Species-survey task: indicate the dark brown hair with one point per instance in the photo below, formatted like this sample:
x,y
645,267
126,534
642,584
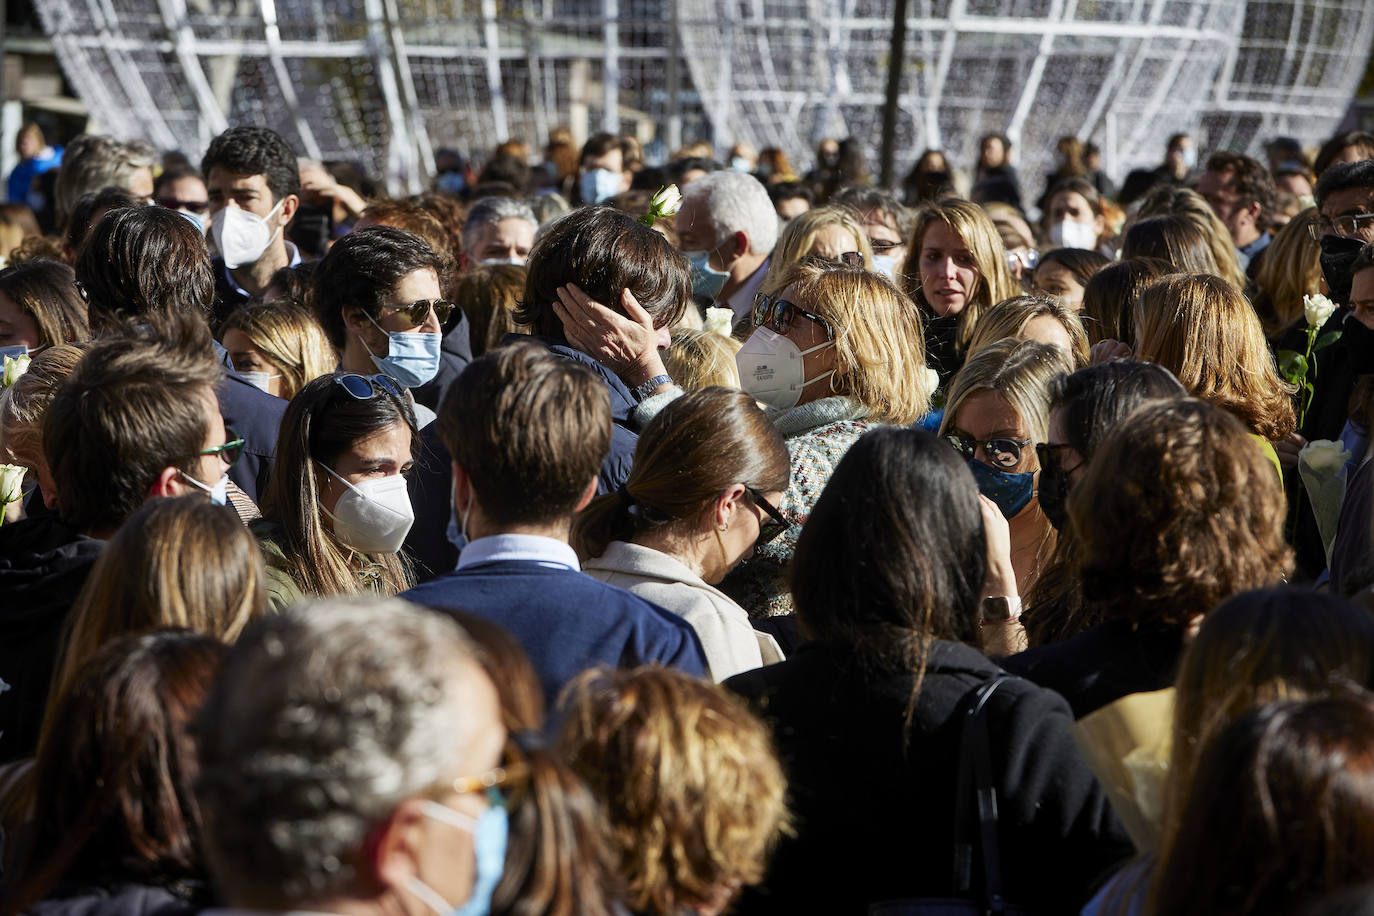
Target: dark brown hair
x,y
361,270
603,251
1179,510
113,779
697,446
1110,294
1250,181
134,405
490,297
46,290
529,429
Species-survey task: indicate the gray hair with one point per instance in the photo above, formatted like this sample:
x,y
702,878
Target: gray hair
x,y
737,203
864,201
494,209
322,720
91,162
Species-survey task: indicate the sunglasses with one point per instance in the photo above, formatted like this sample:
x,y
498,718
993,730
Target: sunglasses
x,y
1002,452
778,314
365,387
1048,453
230,451
777,523
418,310
192,206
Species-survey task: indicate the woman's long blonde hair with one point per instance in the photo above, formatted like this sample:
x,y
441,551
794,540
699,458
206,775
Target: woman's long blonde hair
x,y
1170,200
1009,318
1203,330
800,234
1291,269
878,339
290,338
970,223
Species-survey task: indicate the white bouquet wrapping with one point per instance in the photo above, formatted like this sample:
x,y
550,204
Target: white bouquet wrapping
x,y
1322,466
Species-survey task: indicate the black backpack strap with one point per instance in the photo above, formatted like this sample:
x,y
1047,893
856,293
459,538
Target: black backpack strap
x,y
977,797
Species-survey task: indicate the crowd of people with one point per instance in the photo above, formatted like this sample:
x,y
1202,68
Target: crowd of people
x,y
588,536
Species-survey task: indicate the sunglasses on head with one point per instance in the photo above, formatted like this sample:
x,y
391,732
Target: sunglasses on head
x,y
777,523
418,310
364,387
1003,452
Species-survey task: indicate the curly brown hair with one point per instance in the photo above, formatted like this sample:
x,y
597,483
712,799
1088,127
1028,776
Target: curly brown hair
x,y
1203,330
1179,510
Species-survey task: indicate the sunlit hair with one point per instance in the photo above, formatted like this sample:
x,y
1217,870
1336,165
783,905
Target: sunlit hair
x,y
972,225
177,562
1179,510
321,423
1165,200
700,359
1021,372
46,290
1109,297
1201,329
489,296
22,404
688,778
290,338
799,235
1009,318
1290,269
1175,238
878,338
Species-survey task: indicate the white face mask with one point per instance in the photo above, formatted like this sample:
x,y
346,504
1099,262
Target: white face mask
x,y
260,380
1073,234
219,493
242,237
373,516
771,368
886,265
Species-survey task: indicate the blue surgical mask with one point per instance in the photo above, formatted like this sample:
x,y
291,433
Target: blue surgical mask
x,y
1190,157
707,282
452,182
490,833
1011,491
412,357
219,493
599,185
195,219
740,164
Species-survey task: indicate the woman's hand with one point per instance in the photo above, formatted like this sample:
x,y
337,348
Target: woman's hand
x,y
1287,450
1107,350
1001,576
626,344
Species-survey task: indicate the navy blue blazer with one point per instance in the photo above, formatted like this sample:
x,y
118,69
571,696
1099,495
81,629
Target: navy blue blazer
x,y
566,621
256,416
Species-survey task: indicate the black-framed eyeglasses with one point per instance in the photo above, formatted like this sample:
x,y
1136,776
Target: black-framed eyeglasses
x,y
191,206
777,523
778,314
882,246
1048,454
1347,225
418,310
364,387
1003,452
230,451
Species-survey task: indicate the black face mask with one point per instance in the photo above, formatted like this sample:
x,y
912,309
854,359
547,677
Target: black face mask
x,y
1338,256
1053,492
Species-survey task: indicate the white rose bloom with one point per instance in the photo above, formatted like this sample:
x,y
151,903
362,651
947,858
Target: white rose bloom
x,y
719,321
15,366
666,202
1317,309
932,378
1324,455
11,483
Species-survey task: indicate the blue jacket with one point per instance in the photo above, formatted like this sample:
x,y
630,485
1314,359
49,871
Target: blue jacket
x,y
256,416
566,621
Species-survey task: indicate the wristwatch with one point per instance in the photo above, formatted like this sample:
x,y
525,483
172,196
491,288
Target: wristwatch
x,y
646,388
1001,609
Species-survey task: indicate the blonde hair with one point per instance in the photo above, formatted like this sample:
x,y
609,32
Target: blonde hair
x,y
177,562
17,223
1021,372
290,338
1170,200
1291,269
1203,330
799,235
700,359
1009,318
975,228
489,295
688,779
879,343
22,404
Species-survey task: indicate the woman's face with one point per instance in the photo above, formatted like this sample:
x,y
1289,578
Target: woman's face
x,y
987,415
833,241
738,539
1046,329
246,357
932,162
993,153
1069,458
949,273
385,453
1058,280
1072,206
16,325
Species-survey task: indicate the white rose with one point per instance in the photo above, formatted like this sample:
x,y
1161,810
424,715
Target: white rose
x,y
15,366
1317,308
666,202
719,321
932,378
11,483
1324,456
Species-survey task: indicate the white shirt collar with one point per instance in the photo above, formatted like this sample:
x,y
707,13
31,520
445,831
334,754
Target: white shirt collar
x,y
528,548
742,302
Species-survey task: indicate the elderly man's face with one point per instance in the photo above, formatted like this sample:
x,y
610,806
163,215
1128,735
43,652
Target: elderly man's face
x,y
506,240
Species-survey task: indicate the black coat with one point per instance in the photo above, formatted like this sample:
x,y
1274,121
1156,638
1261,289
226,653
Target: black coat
x,y
874,822
120,900
1103,664
254,415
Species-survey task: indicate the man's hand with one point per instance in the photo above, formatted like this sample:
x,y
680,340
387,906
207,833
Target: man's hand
x,y
1288,449
626,344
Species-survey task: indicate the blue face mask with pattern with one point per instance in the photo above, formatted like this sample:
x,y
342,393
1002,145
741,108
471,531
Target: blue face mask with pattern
x,y
1010,491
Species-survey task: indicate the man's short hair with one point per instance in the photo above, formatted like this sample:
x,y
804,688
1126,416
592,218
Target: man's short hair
x,y
255,151
864,201
675,170
530,430
80,220
92,162
737,203
1343,176
145,260
494,209
1250,181
361,270
323,719
134,405
791,190
604,252
601,144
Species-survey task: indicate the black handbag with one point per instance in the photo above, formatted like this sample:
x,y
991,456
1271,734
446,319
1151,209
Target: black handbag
x,y
975,827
